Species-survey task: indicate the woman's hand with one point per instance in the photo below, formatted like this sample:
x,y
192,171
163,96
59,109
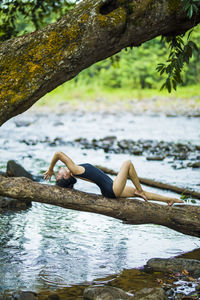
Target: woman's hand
x,y
141,195
48,174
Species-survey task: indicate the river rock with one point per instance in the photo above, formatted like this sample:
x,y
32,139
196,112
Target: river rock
x,y
174,264
110,138
24,295
152,149
198,290
194,165
22,123
53,296
155,157
10,203
150,294
105,293
16,170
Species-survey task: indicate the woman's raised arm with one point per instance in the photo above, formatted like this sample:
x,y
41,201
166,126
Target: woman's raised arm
x,y
74,169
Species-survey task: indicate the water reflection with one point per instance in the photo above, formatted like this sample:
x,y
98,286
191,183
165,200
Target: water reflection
x,y
50,247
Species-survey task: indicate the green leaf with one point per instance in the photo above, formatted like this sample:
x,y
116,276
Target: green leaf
x,y
177,76
188,50
187,5
190,12
162,71
195,9
193,201
194,45
184,197
189,33
163,86
174,83
168,85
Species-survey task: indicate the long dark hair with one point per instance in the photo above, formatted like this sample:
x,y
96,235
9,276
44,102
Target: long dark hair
x,y
66,183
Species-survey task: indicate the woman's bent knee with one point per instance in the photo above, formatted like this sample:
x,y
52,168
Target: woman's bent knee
x,y
127,162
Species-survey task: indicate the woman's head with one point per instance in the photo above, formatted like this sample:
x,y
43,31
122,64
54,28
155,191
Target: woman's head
x,y
65,179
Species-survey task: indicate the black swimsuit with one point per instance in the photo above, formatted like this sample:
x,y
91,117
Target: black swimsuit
x,y
104,182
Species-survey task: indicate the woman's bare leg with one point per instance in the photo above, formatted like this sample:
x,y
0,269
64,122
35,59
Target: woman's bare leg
x,y
156,197
132,192
120,189
127,170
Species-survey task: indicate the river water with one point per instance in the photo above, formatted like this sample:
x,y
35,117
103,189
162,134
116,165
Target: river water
x,y
46,247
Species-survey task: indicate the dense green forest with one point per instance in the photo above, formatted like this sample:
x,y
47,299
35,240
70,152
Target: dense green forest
x,y
136,67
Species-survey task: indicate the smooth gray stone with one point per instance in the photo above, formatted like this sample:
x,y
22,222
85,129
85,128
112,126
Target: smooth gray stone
x,y
105,293
174,264
16,170
150,294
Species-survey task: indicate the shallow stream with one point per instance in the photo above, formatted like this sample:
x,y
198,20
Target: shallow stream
x,y
47,247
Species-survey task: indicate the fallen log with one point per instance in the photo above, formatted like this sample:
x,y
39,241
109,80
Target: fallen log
x,y
182,218
158,184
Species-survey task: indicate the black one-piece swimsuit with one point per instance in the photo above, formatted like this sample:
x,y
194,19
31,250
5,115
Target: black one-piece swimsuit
x,y
104,182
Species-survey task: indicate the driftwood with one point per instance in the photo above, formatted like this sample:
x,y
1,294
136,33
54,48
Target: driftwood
x,y
158,184
182,218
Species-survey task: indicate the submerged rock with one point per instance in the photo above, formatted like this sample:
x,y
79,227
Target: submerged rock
x,y
194,165
198,290
150,294
53,296
174,264
10,203
112,293
105,293
24,295
155,157
22,123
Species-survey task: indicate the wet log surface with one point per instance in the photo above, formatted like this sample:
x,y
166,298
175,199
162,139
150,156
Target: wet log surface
x,y
182,218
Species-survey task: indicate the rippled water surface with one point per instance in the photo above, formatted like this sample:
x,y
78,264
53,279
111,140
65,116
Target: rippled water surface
x,y
47,246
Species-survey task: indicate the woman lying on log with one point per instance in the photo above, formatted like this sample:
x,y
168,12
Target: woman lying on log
x,y
66,177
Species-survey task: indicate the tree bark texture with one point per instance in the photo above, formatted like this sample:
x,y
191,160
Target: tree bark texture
x,y
34,64
182,218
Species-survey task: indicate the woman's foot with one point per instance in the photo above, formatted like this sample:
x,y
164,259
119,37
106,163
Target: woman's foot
x,y
141,195
174,200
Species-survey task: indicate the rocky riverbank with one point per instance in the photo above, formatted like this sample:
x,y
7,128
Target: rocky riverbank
x,y
170,106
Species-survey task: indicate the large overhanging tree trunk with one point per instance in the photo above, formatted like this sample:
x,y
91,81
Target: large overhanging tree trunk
x,y
183,218
34,64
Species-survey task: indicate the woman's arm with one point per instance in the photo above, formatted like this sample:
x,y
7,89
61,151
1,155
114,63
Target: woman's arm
x,y
66,160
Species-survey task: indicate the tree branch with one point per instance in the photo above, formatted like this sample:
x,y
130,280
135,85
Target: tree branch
x,y
182,218
34,64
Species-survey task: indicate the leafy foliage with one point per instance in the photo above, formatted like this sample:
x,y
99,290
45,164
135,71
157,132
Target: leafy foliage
x,y
180,51
22,16
191,7
135,68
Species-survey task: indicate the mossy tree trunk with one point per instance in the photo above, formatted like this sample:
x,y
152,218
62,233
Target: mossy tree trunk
x,y
34,64
182,218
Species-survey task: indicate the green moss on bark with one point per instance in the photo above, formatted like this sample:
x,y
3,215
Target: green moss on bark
x,y
173,6
112,19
